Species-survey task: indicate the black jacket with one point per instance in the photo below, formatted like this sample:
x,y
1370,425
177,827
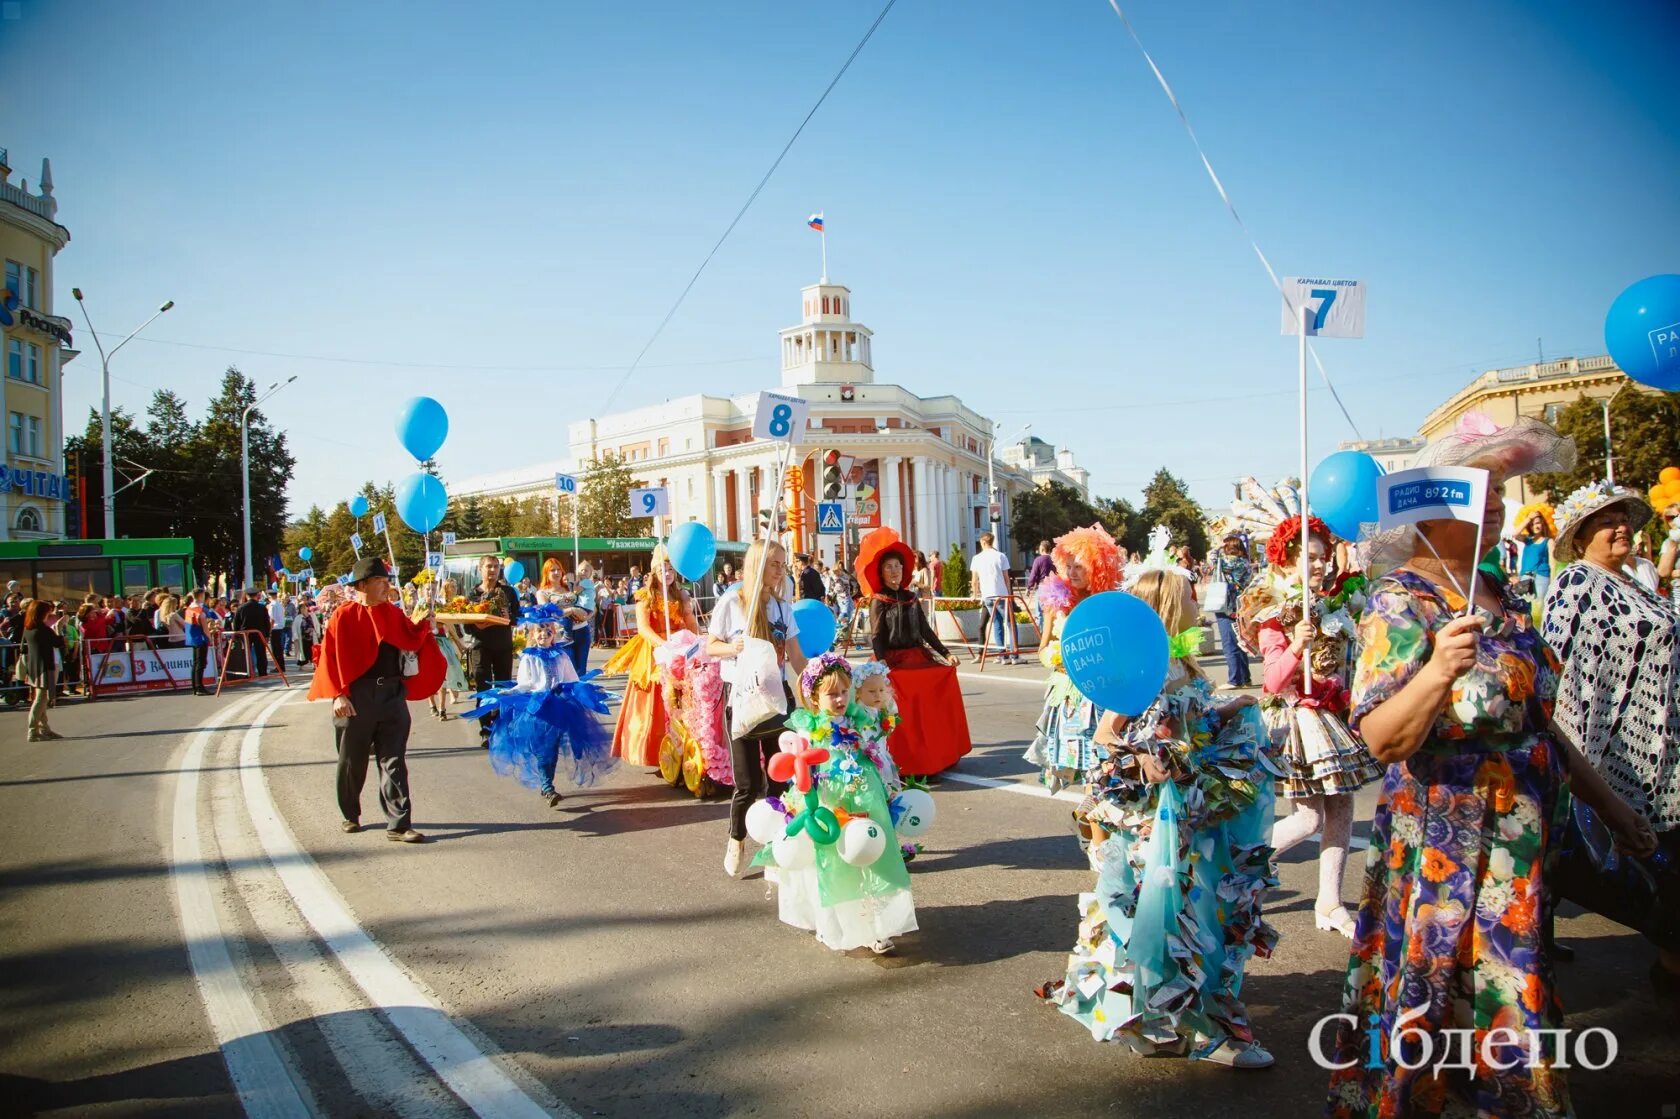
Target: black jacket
x,y
898,622
493,639
252,615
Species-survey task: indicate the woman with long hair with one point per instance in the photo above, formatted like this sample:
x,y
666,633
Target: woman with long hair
x,y
934,731
42,646
662,608
454,658
757,607
1185,798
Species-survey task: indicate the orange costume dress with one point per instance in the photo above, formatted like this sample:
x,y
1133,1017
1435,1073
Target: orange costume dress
x,y
642,716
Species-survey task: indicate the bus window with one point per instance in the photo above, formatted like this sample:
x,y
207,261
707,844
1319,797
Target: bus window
x,y
72,580
172,573
136,576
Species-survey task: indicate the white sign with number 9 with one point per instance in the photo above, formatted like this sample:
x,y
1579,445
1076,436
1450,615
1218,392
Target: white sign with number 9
x,y
779,417
655,501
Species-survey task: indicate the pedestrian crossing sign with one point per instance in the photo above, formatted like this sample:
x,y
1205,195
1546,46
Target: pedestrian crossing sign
x,y
831,518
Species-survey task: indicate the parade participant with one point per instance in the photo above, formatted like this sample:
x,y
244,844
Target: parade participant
x,y
1086,561
454,659
933,734
582,617
489,645
989,576
662,608
1323,763
755,607
1534,559
361,670
1619,687
1667,567
1456,701
548,714
1186,794
877,715
1231,568
848,906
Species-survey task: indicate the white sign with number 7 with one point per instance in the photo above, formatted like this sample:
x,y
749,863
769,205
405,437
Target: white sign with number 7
x,y
780,417
1335,308
655,501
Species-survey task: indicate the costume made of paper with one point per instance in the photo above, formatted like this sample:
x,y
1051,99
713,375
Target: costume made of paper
x,y
1165,938
454,676
640,732
934,733
1321,757
350,647
546,725
846,906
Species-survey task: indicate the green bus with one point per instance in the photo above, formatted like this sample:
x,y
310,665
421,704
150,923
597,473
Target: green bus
x,y
71,569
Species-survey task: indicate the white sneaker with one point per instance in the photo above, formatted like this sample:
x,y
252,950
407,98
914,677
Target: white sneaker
x,y
1233,1054
732,857
882,947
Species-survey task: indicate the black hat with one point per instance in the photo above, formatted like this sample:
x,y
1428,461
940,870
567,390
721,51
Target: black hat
x,y
369,567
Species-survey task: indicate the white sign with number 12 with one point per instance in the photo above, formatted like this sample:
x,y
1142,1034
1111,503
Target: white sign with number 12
x,y
780,417
654,501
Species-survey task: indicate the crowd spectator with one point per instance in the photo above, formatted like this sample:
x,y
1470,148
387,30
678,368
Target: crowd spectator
x,y
989,575
42,648
198,631
252,619
278,634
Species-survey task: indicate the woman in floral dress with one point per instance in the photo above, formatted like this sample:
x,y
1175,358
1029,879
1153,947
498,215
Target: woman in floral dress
x,y
1458,705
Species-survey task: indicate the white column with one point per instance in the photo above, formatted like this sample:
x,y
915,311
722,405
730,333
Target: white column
x,y
717,512
891,494
919,481
742,520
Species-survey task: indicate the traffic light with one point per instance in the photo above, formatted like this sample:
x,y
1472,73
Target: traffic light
x,y
833,477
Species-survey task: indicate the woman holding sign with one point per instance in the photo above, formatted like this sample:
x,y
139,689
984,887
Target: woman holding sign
x,y
1457,702
662,608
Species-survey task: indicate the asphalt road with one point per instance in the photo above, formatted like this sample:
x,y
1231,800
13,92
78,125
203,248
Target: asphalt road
x,y
188,932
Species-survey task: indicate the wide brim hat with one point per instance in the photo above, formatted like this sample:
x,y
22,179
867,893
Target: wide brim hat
x,y
1526,446
1579,507
874,548
369,567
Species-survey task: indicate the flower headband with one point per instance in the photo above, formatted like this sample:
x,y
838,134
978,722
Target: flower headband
x,y
868,670
821,666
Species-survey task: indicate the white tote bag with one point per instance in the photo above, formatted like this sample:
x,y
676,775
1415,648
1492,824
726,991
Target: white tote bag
x,y
757,694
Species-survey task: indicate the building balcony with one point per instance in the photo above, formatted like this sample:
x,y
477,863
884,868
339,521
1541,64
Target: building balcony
x,y
41,205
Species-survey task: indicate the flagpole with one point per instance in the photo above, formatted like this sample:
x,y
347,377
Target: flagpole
x,y
1305,536
824,234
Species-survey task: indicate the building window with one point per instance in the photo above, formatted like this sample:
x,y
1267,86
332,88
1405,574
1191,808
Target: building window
x,y
32,436
664,446
29,520
14,434
1551,413
14,278
14,359
32,288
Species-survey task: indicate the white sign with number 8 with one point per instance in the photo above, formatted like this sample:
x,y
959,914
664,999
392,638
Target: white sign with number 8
x,y
655,501
779,417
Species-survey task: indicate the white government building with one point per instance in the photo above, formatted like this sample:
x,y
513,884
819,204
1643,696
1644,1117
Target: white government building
x,y
918,464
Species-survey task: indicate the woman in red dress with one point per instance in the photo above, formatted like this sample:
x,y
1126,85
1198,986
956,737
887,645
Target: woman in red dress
x,y
933,731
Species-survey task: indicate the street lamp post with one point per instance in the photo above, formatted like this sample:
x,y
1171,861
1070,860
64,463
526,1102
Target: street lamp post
x,y
1609,462
992,495
245,463
107,497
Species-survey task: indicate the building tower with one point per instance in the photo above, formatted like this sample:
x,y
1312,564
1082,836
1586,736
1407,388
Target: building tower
x,y
827,346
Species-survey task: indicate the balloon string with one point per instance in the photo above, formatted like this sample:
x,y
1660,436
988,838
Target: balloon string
x,y
1294,311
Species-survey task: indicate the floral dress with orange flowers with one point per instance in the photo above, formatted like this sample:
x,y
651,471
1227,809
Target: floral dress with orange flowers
x,y
1448,932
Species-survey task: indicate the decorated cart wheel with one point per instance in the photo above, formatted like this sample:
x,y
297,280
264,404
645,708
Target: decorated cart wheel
x,y
694,768
671,758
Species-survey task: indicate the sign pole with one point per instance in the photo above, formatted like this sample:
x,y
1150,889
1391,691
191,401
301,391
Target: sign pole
x,y
1305,537
576,531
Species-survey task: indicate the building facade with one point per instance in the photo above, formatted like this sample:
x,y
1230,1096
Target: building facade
x,y
33,491
918,464
1391,454
1043,464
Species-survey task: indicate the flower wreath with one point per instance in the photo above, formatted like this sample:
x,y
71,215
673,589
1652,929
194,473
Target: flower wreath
x,y
1288,531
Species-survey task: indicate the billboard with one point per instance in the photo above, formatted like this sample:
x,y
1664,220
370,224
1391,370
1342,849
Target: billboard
x,y
864,485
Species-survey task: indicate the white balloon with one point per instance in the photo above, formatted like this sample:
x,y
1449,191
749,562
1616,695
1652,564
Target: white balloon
x,y
764,823
917,814
861,842
794,852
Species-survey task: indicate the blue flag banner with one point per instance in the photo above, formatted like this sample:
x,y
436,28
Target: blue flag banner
x,y
1431,493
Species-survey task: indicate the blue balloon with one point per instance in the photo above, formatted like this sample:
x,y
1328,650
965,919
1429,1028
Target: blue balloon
x,y
1114,649
422,425
305,554
816,626
1343,492
358,506
422,502
692,548
1642,332
513,571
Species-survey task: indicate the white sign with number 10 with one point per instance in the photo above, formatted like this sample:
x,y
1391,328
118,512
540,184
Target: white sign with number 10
x,y
780,417
654,501
1335,308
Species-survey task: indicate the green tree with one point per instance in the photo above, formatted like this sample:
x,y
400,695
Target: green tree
x,y
955,583
128,444
1118,516
1046,512
604,499
1166,501
217,461
1645,435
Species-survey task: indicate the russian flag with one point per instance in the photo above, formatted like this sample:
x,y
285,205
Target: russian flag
x,y
815,221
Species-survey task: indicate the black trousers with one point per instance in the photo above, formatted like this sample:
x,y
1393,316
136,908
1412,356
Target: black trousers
x,y
747,755
378,730
259,656
488,666
200,658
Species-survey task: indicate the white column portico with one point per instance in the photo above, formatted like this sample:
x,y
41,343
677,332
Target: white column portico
x,y
919,482
743,505
891,496
717,507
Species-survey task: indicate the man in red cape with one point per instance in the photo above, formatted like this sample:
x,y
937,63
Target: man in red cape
x,y
359,666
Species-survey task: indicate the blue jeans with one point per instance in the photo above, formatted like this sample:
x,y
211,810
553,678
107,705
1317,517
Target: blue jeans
x,y
997,610
578,650
1236,661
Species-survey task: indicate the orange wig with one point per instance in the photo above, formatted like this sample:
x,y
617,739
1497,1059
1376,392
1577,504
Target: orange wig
x,y
1096,552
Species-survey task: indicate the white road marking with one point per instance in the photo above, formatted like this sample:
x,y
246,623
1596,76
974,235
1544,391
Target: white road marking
x,y
471,1073
981,677
255,1064
1021,787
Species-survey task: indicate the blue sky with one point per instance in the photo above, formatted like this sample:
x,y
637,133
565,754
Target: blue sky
x,y
1009,195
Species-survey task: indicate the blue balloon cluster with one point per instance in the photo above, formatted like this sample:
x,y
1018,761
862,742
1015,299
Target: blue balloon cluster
x,y
1343,492
421,502
817,626
691,548
422,425
1114,649
1642,332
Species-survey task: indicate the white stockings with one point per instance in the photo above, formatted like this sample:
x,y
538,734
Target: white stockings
x,y
1332,816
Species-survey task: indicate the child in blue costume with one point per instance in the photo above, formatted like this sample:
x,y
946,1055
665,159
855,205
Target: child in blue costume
x,y
548,714
1182,816
848,904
